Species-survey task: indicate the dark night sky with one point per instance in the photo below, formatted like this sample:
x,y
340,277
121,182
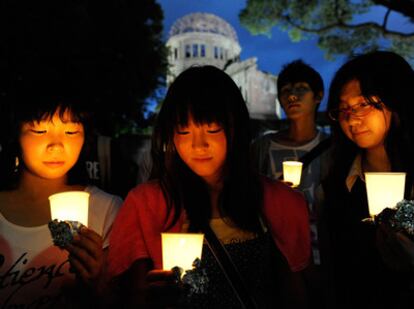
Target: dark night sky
x,y
273,52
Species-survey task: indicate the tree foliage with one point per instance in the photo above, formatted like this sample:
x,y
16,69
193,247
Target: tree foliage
x,y
334,23
112,49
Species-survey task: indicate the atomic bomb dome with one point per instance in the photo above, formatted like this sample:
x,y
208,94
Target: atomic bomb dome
x,y
203,23
203,38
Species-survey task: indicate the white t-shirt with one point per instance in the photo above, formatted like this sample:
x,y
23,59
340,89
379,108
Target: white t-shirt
x,y
33,272
270,155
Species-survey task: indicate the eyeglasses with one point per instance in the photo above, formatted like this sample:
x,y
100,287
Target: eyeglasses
x,y
296,91
358,110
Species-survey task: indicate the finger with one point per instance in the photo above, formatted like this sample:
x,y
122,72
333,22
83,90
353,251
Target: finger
x,y
79,269
160,275
85,251
407,245
386,229
91,235
93,245
92,264
288,183
404,240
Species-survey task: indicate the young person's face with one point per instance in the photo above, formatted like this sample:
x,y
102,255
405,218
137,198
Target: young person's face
x,y
50,148
367,131
202,148
298,100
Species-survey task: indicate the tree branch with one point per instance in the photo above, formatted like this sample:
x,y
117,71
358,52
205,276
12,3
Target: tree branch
x,y
342,25
405,7
384,24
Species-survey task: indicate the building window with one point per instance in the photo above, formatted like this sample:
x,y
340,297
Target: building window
x,y
216,52
202,50
195,50
175,53
187,51
226,55
221,52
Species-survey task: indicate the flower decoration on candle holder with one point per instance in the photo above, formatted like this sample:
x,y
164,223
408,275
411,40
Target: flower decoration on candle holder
x,y
400,217
195,280
63,231
182,254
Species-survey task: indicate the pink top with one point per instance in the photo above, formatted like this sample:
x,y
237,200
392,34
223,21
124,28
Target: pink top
x,y
136,232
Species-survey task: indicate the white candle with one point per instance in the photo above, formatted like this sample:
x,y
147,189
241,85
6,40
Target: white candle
x,y
70,206
384,190
181,249
292,171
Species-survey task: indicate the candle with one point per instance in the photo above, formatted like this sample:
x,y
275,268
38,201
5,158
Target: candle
x,y
384,190
70,206
181,249
292,171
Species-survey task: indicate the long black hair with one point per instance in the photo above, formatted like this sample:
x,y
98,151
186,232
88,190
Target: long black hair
x,y
390,77
209,95
31,101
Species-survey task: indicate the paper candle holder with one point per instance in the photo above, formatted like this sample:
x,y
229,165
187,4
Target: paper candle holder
x,y
384,190
181,249
292,172
70,206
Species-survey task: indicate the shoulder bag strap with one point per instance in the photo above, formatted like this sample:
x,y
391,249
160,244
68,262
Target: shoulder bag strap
x,y
229,269
316,151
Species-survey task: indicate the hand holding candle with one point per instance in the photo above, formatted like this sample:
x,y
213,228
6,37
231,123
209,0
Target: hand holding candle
x,y
69,212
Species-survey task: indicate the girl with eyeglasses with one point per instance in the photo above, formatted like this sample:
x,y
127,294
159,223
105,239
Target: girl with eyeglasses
x,y
371,111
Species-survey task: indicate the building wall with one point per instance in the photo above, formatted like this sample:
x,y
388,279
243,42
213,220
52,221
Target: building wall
x,y
218,50
258,88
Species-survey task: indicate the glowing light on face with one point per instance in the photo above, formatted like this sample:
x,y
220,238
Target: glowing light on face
x,y
369,131
203,148
50,148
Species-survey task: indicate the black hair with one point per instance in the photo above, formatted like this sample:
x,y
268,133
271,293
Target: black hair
x,y
298,71
390,77
209,95
38,101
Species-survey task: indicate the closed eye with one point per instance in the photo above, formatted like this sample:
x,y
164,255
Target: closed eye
x,y
182,132
38,131
215,131
72,132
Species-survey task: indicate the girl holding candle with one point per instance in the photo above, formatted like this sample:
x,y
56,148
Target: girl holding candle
x,y
46,143
370,105
202,176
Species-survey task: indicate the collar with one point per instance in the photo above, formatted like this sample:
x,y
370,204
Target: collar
x,y
354,172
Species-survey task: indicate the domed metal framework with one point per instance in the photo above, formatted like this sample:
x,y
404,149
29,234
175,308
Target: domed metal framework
x,y
203,22
206,39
